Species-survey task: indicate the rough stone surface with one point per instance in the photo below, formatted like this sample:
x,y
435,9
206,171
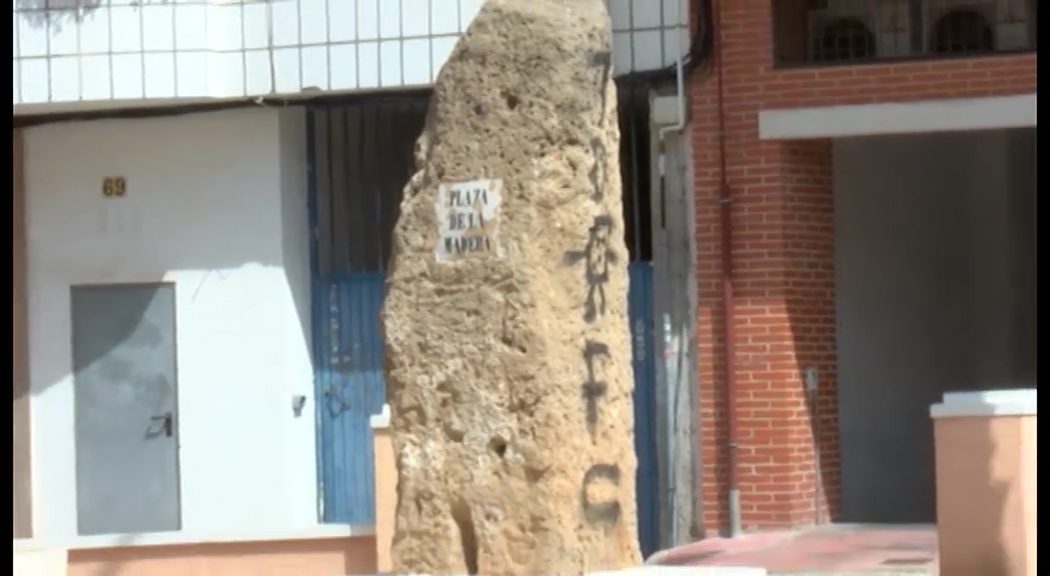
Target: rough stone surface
x,y
508,362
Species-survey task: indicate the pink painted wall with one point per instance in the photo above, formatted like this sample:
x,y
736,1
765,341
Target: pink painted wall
x,y
986,495
326,557
386,496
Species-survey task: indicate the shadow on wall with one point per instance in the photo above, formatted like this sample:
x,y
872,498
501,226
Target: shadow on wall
x,y
783,289
981,495
57,14
809,300
793,279
132,320
194,213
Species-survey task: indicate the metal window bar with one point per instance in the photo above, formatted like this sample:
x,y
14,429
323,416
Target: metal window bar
x,y
635,168
364,161
365,158
827,32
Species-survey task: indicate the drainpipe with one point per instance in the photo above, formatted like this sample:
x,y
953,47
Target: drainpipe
x,y
679,68
728,306
670,405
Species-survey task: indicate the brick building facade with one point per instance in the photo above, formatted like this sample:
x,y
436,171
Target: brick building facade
x,y
782,280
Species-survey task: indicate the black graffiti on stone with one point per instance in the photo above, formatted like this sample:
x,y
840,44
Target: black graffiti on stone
x,y
598,257
601,485
597,175
593,388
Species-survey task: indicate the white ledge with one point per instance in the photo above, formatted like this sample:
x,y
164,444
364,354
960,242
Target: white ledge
x,y
318,532
950,115
1018,402
381,421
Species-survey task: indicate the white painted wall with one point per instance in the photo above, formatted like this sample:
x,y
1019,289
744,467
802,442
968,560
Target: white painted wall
x,y
188,49
935,265
216,203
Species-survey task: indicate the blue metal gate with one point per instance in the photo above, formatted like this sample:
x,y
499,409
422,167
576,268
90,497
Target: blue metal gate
x,y
360,157
635,164
350,389
640,312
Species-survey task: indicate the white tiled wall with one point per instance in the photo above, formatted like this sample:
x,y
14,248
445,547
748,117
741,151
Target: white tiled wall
x,y
164,49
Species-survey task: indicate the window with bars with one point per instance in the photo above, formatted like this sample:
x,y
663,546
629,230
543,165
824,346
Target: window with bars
x,y
961,31
846,39
829,32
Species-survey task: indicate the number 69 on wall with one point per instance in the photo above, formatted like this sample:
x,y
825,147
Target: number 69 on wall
x,y
114,186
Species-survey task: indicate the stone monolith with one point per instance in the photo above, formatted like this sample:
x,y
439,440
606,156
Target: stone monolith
x,y
507,340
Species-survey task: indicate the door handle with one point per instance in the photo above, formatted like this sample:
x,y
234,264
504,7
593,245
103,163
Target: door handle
x,y
167,419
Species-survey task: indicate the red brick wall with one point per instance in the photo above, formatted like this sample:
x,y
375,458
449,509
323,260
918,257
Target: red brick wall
x,y
783,250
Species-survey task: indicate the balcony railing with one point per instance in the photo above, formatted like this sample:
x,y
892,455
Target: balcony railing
x,y
828,32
